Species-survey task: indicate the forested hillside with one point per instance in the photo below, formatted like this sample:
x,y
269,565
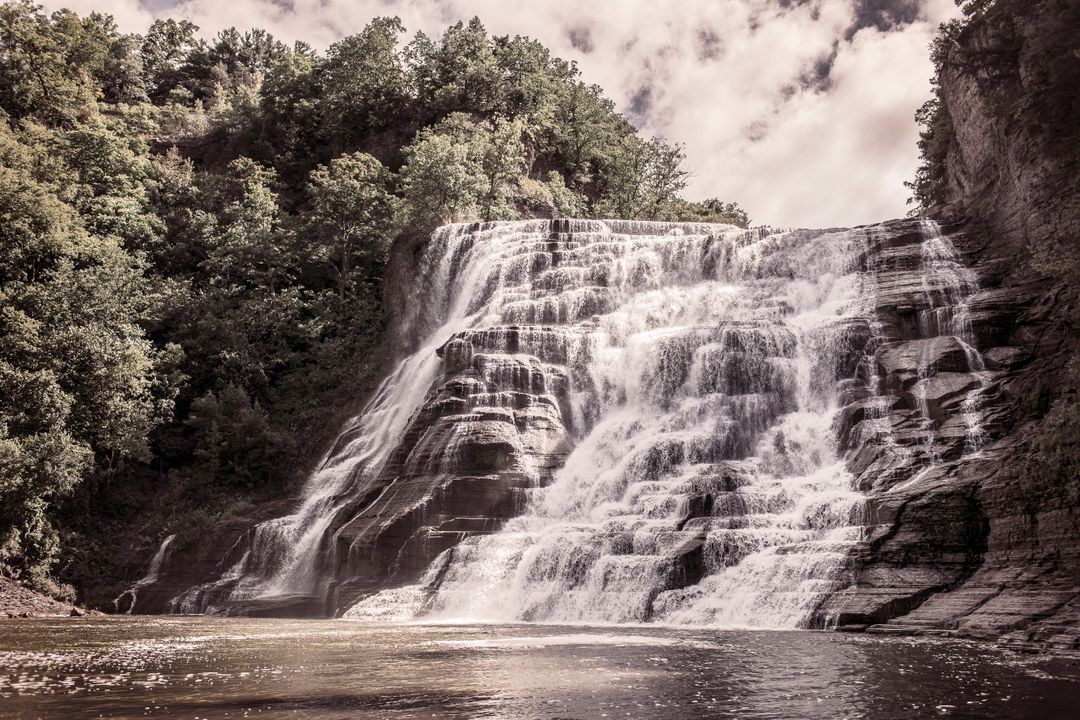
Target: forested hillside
x,y
193,238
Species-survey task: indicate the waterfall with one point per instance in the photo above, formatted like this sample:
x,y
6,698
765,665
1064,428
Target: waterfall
x,y
696,369
618,421
127,599
948,286
287,554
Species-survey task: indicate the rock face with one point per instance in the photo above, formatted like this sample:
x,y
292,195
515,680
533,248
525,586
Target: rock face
x,y
959,540
973,546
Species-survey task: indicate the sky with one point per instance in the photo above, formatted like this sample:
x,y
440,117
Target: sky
x,y
802,111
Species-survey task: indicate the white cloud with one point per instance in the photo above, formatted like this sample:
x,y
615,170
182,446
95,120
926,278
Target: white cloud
x,y
740,82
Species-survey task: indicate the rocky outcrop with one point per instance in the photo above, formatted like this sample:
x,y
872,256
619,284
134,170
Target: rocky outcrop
x,y
17,601
1009,85
967,543
491,429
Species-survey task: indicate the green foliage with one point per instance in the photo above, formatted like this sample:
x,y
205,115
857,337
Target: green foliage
x,y
643,179
974,7
47,65
551,198
77,374
439,180
364,84
458,74
711,211
928,189
164,51
1053,460
1057,448
459,169
350,221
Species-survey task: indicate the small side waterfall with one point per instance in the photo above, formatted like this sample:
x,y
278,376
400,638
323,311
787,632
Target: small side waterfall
x,y
126,601
948,286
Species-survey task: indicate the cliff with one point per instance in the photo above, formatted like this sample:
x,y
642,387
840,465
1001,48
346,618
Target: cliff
x,y
982,547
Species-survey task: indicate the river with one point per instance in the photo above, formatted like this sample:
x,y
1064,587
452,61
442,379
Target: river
x,y
208,667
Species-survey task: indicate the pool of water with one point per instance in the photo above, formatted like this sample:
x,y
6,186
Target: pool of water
x,y
204,667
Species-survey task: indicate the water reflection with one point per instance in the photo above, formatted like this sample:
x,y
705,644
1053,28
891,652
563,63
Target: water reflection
x,y
217,667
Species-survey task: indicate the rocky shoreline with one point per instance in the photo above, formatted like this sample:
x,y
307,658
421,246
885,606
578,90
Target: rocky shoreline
x,y
17,601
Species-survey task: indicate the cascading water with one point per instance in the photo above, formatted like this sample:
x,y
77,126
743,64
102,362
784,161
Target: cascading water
x,y
615,421
699,367
286,554
948,286
127,599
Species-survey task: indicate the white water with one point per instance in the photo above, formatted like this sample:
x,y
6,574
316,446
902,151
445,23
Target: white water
x,y
285,555
151,575
948,286
703,362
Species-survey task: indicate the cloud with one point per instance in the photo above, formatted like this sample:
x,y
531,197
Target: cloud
x,y
801,110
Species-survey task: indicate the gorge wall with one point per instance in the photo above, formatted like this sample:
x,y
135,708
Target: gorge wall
x,y
617,421
980,546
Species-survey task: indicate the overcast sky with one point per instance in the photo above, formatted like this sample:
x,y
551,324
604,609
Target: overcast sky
x,y
800,110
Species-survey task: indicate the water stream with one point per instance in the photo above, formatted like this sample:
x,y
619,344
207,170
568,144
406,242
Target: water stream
x,y
204,667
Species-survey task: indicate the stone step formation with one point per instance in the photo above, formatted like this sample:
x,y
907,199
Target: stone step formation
x,y
612,421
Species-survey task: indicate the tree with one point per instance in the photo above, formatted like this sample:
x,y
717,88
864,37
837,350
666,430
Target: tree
x,y
166,47
584,131
251,248
40,70
123,79
351,218
105,178
77,374
502,159
459,74
111,58
289,129
364,83
460,169
530,81
710,211
235,438
440,180
643,179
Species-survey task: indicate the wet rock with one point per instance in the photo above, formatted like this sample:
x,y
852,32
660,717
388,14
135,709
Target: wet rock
x,y
1007,357
902,364
941,395
688,563
977,547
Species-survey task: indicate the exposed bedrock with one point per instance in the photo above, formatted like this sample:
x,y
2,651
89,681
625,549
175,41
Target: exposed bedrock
x,y
974,546
958,541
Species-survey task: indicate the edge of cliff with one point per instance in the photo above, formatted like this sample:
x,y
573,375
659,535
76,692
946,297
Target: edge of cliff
x,y
987,548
